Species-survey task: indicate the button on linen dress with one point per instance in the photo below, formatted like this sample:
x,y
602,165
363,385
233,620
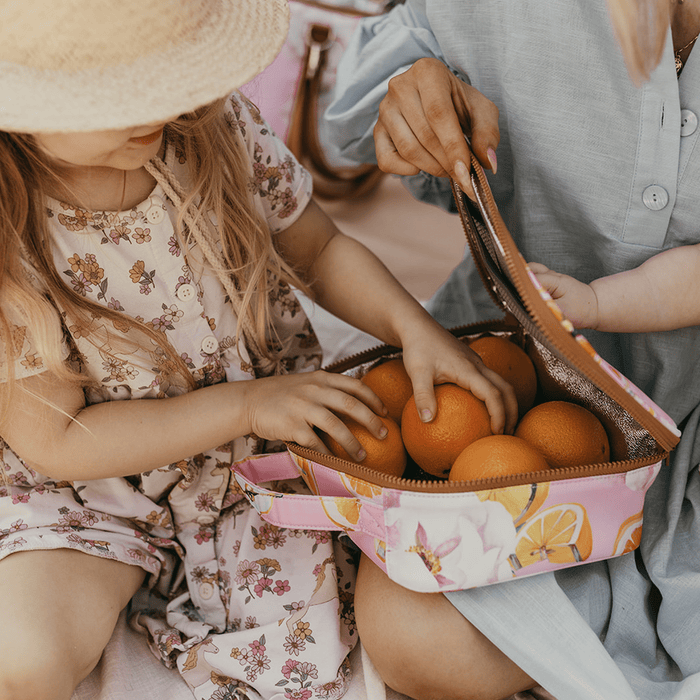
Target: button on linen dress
x,y
233,601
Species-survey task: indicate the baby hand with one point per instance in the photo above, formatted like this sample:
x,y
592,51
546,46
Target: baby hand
x,y
440,358
289,407
577,300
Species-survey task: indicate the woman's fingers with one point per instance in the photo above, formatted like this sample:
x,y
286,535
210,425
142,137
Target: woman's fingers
x,y
423,121
399,152
481,116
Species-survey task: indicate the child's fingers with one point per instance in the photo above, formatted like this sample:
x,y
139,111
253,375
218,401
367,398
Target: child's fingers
x,y
348,397
491,394
309,438
424,395
326,421
507,399
486,385
356,400
549,279
334,427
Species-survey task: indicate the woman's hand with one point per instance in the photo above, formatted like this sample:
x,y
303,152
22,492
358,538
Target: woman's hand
x,y
291,406
577,300
423,121
440,358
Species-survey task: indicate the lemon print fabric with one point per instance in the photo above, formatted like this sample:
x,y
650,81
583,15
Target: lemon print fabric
x,y
629,536
520,501
560,534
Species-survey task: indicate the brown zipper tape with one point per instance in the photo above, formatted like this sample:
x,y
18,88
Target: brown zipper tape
x,y
444,486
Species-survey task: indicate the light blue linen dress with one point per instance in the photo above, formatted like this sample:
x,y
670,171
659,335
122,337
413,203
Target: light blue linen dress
x,y
594,176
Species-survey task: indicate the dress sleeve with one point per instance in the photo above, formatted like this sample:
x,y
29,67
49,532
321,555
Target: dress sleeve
x,y
380,48
281,185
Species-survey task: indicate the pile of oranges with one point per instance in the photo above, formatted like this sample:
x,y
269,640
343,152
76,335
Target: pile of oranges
x,y
458,443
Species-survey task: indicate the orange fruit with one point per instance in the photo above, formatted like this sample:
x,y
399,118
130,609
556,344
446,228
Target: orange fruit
x,y
391,383
512,363
497,455
387,456
566,434
460,419
561,534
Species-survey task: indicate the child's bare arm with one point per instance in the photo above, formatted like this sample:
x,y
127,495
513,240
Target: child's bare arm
x,y
352,283
661,294
51,428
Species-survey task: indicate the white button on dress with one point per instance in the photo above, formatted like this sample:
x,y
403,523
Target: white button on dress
x,y
186,292
206,590
655,197
209,345
156,212
689,122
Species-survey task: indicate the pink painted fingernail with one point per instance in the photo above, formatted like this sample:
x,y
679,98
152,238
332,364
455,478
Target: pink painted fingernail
x,y
462,174
492,159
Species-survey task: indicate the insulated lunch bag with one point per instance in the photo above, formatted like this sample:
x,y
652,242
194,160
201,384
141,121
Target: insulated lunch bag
x,y
430,535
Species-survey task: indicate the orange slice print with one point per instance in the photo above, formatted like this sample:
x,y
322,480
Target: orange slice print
x,y
560,534
349,509
359,487
519,501
344,513
306,472
629,535
380,549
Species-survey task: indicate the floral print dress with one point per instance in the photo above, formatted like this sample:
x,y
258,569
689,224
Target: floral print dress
x,y
243,608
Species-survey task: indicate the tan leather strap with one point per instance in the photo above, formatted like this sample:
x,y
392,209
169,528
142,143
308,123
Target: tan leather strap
x,y
303,139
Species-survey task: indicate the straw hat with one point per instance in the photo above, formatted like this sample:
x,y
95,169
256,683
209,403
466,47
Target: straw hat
x,y
84,65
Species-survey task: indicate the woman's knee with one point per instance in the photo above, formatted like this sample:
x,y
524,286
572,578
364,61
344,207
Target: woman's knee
x,y
424,648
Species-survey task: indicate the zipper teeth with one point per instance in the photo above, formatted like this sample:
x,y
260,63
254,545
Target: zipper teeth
x,y
444,486
640,414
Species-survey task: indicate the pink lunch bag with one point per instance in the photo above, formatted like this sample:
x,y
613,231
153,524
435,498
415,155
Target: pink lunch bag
x,y
435,535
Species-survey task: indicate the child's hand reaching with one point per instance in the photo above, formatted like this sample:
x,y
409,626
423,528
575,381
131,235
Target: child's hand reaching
x,y
576,299
290,407
440,358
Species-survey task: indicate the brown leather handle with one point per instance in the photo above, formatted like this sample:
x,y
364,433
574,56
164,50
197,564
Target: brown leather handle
x,y
303,138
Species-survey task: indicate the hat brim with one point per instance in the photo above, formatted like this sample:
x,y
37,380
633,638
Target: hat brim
x,y
229,48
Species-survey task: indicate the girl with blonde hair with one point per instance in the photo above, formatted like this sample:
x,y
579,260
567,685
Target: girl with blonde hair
x,y
151,231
